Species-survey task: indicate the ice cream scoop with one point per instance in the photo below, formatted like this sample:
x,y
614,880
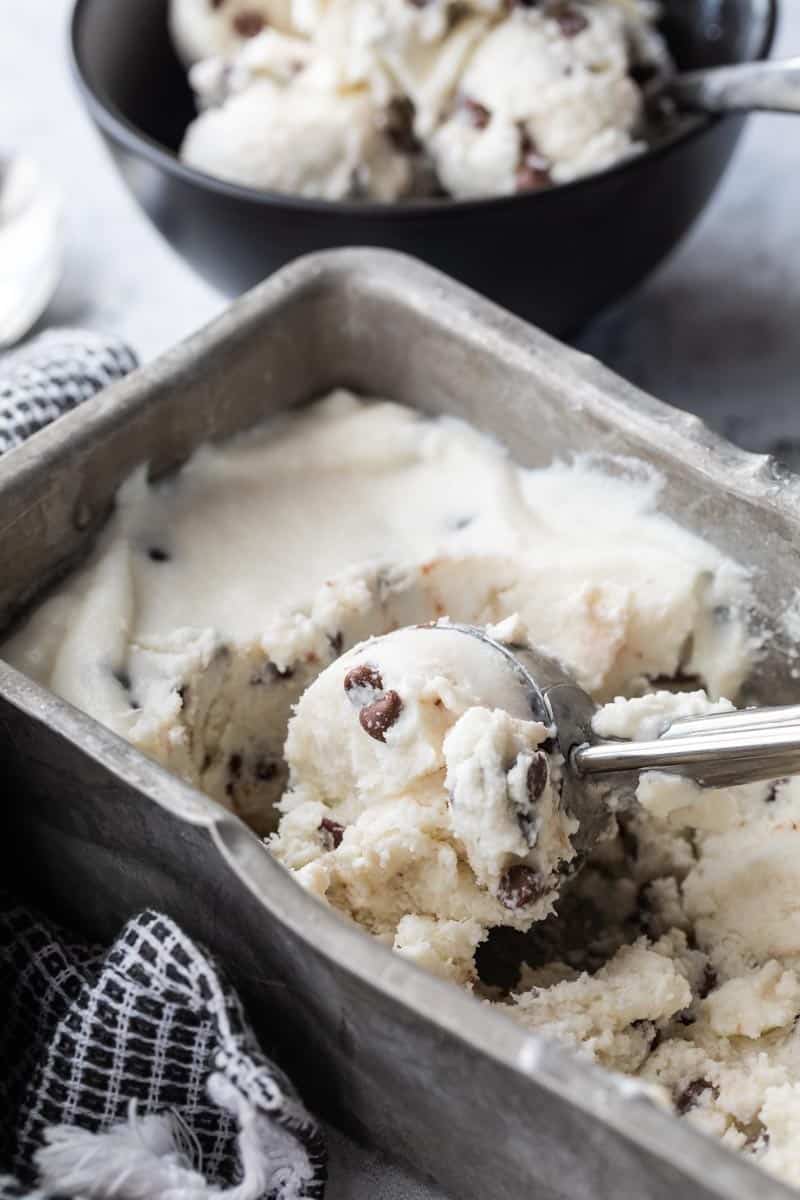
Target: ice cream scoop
x,y
744,87
720,750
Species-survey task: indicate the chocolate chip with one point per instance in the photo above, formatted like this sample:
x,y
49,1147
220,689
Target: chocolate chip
x,y
216,3
650,1032
157,554
532,176
570,19
235,765
207,760
248,24
400,124
691,1094
380,716
229,788
183,694
630,841
772,793
533,172
363,676
123,678
266,769
478,113
538,774
685,1017
332,833
520,886
528,817
336,642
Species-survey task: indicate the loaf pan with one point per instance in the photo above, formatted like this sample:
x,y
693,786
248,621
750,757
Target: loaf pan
x,y
94,830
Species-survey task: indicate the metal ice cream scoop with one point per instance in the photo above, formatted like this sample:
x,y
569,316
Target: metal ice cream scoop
x,y
744,87
718,750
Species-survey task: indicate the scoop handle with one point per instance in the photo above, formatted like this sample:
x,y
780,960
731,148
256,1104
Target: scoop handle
x,y
746,87
713,758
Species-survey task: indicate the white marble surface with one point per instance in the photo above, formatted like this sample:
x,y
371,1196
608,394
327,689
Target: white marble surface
x,y
714,330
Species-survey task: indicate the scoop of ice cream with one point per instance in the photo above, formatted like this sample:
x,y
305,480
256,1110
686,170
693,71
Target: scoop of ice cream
x,y
205,28
497,100
544,98
301,138
421,787
374,722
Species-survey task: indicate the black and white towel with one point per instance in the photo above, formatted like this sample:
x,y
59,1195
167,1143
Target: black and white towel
x,y
132,1073
52,374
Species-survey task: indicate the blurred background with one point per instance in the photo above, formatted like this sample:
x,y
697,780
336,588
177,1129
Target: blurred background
x,y
714,330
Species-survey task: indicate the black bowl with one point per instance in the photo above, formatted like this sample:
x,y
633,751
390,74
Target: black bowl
x,y
555,257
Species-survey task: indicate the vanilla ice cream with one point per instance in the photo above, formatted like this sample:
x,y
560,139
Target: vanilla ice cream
x,y
419,789
383,99
236,621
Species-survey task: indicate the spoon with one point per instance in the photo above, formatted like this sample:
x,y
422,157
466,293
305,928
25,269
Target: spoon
x,y
30,246
745,87
719,750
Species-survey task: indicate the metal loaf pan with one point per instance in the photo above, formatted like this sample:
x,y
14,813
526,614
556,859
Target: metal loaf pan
x,y
94,830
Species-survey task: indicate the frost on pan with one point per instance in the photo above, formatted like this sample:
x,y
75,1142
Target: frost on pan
x,y
218,598
384,99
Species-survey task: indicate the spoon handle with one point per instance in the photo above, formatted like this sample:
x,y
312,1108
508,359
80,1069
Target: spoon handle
x,y
713,759
736,720
759,86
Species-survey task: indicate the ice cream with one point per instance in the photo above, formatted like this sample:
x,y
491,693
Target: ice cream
x,y
383,99
214,597
689,974
305,140
203,29
421,790
242,593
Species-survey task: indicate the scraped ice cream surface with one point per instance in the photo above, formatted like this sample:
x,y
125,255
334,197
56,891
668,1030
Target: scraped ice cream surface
x,y
240,621
389,99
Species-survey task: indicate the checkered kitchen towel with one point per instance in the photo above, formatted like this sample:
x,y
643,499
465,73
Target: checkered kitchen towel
x,y
128,1073
52,374
132,1073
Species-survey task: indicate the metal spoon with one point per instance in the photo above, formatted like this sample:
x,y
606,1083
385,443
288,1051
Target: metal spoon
x,y
719,750
745,87
30,246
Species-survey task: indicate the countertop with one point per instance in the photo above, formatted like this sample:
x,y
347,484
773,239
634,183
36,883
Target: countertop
x,y
714,330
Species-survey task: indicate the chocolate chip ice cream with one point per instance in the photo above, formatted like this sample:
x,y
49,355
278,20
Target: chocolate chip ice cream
x,y
224,623
303,96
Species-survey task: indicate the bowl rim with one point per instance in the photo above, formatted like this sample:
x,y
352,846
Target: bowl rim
x,y
113,122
